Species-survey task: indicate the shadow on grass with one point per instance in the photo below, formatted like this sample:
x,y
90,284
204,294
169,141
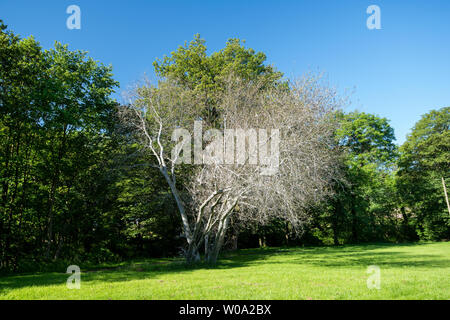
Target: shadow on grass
x,y
348,256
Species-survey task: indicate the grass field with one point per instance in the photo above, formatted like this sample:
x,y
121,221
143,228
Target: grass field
x,y
409,271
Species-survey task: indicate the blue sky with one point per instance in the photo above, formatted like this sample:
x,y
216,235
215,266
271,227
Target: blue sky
x,y
399,72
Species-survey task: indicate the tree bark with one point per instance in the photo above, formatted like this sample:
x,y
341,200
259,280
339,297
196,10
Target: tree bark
x,y
446,195
192,254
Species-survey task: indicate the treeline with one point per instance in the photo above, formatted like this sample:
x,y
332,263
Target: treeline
x,y
74,187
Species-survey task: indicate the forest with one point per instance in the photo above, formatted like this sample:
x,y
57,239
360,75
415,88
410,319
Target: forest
x,y
86,179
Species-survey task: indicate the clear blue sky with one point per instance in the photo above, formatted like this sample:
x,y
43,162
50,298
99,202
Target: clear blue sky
x,y
400,72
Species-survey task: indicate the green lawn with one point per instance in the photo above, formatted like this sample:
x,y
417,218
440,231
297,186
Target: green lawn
x,y
410,271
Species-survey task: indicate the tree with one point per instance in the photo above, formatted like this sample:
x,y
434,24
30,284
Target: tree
x,y
21,68
423,163
362,199
259,194
216,188
55,116
206,76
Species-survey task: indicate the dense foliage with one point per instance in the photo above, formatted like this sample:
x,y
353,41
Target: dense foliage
x,y
74,188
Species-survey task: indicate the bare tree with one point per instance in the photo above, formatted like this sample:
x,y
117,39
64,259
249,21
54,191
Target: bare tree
x,y
270,189
268,155
152,116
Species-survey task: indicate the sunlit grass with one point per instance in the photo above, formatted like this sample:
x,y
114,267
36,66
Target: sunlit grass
x,y
411,271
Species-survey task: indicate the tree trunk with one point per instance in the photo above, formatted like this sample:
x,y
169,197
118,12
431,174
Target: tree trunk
x,y
192,254
262,241
218,243
354,225
52,195
337,212
234,239
286,234
446,195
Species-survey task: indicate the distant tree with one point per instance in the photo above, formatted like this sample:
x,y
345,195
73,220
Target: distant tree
x,y
205,76
424,161
55,134
367,138
362,206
